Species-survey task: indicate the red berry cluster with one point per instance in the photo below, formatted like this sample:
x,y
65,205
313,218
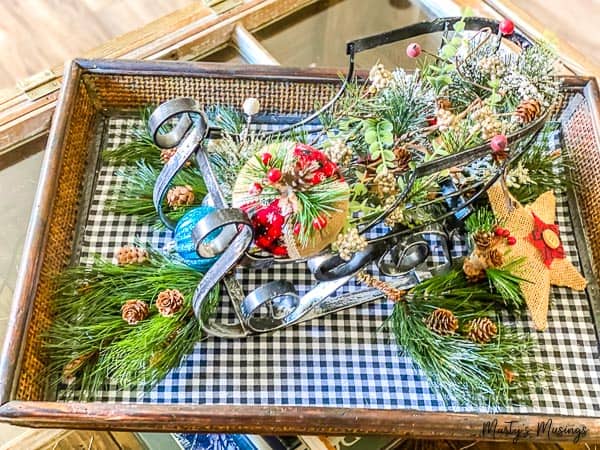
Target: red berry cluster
x,y
503,232
268,221
268,225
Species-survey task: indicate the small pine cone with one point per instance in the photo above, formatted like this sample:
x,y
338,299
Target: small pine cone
x,y
300,177
473,272
495,258
482,239
169,302
442,321
481,330
167,153
403,158
133,311
73,366
179,196
444,103
528,110
130,254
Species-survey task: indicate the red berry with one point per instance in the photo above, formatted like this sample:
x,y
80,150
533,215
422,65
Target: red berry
x,y
262,216
318,177
498,143
255,189
275,218
274,175
265,242
413,50
297,228
432,121
506,27
279,250
318,155
266,158
505,233
274,231
329,168
499,231
511,240
319,223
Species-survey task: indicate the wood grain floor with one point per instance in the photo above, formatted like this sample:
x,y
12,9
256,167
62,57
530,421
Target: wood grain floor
x,y
40,34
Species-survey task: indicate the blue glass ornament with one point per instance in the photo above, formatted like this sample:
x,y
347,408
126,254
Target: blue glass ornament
x,y
184,243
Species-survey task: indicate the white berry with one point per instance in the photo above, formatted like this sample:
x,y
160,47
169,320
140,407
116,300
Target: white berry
x,y
251,106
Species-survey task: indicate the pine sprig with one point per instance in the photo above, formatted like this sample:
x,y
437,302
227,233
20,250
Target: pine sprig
x,y
139,146
506,283
134,195
319,200
482,219
539,170
457,369
87,307
228,119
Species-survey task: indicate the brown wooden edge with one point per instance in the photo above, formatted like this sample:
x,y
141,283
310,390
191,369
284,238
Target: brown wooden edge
x,y
224,418
290,420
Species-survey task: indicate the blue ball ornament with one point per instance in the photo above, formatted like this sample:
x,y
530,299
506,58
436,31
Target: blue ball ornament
x,y
184,243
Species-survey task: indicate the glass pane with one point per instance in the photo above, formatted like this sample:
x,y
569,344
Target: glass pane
x,y
18,184
319,33
228,55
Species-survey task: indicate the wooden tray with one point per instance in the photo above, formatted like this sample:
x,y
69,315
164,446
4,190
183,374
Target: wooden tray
x,y
96,89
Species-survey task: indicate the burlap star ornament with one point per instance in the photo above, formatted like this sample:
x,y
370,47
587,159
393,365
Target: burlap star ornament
x,y
538,241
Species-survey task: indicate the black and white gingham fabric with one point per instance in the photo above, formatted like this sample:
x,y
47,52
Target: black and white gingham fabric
x,y
345,359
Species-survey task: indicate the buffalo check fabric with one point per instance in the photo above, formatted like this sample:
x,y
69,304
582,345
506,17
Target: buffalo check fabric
x,y
346,359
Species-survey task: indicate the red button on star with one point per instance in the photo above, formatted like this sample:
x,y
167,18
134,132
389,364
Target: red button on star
x,y
546,238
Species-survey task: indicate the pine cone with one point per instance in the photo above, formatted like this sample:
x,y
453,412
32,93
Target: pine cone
x,y
528,110
134,311
179,196
73,366
130,254
483,239
299,177
169,302
167,153
403,158
495,258
442,321
473,272
481,330
444,103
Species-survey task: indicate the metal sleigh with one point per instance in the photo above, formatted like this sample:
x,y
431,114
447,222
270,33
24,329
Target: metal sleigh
x,y
401,253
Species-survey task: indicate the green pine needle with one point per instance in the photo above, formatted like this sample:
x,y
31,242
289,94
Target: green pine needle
x,y
88,323
134,195
507,284
457,369
482,219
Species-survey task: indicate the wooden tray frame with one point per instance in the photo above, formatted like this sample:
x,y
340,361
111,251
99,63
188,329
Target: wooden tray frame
x,y
31,409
